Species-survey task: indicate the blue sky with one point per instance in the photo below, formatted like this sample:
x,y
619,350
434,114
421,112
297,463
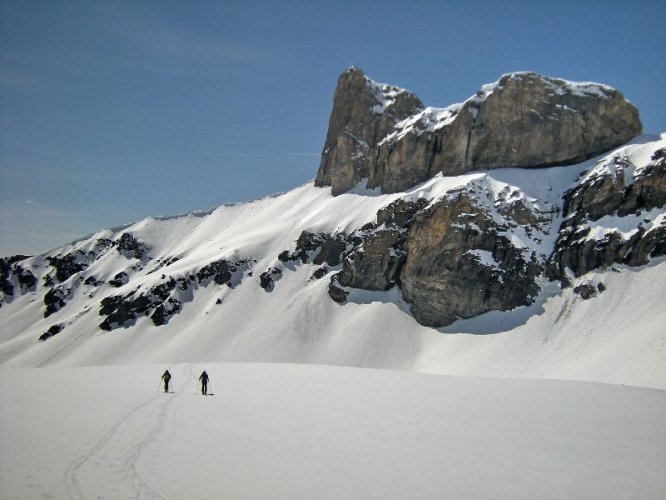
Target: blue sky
x,y
114,111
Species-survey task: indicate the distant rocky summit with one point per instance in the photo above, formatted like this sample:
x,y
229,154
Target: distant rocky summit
x,y
364,112
455,247
384,134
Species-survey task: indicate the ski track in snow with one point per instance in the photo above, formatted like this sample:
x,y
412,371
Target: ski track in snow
x,y
110,469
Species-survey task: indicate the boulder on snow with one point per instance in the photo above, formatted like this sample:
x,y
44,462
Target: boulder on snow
x,y
53,330
268,278
119,279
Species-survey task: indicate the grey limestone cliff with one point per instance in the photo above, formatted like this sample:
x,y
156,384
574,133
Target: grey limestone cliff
x,y
363,113
385,135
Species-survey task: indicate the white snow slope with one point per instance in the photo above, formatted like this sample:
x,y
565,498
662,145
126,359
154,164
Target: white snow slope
x,y
303,432
80,417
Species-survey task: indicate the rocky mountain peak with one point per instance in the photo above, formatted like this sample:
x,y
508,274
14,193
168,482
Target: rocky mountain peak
x,y
364,112
384,134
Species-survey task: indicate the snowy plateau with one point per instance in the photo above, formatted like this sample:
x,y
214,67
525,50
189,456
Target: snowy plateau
x,y
352,398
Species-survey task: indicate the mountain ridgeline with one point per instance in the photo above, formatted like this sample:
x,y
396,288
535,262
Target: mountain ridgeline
x,y
453,223
384,134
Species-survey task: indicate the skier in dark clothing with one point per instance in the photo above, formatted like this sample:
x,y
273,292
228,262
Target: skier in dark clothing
x,y
204,382
166,376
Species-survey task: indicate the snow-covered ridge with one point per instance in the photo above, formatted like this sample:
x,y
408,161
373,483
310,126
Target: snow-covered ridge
x,y
428,120
561,86
384,93
629,162
432,118
296,321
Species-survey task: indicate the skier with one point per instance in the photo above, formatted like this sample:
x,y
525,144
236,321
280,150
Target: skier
x,y
204,382
166,376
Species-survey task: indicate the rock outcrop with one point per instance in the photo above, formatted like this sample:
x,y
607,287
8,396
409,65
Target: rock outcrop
x,y
384,134
363,113
377,253
460,265
13,275
614,189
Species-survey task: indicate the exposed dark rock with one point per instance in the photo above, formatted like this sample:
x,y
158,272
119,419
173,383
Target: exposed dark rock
x,y
308,244
222,272
74,262
92,281
14,259
159,303
371,257
376,263
128,246
459,266
53,330
320,273
119,279
101,245
585,290
601,193
400,213
268,278
55,299
26,279
318,248
377,252
286,256
331,252
5,274
604,191
337,293
12,272
161,263
164,311
68,265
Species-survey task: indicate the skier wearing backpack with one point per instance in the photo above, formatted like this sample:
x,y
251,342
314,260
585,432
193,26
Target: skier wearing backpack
x,y
166,376
204,382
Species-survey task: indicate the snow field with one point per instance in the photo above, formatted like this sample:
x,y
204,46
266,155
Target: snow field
x,y
300,432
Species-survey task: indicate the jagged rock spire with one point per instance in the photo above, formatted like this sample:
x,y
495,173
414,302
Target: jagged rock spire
x,y
363,112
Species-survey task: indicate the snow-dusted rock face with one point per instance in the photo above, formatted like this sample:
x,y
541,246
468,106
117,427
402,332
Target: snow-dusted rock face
x,y
523,120
615,214
363,113
306,276
12,276
453,248
461,262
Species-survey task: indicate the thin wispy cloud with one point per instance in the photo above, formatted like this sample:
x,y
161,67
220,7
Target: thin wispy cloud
x,y
158,45
17,80
181,44
29,225
260,155
55,165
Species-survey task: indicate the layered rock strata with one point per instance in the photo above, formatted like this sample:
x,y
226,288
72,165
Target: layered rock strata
x,y
385,135
615,189
364,112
